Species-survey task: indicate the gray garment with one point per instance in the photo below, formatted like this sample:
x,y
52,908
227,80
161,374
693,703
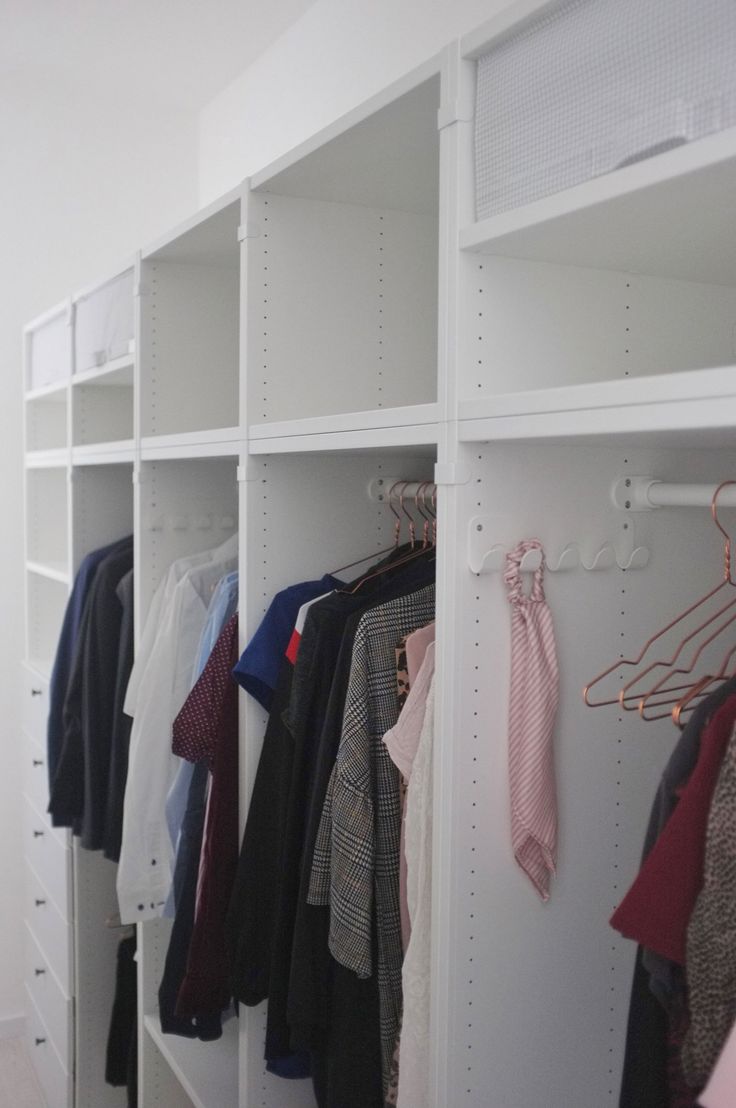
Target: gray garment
x,y
356,855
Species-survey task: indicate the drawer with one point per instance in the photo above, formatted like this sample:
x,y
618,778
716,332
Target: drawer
x,y
52,933
55,1080
34,704
48,856
49,997
35,774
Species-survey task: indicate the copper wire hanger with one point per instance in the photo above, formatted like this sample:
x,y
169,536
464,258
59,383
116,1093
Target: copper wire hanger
x,y
622,698
422,509
410,556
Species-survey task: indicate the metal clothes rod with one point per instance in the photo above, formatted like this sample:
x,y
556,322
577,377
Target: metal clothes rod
x,y
641,494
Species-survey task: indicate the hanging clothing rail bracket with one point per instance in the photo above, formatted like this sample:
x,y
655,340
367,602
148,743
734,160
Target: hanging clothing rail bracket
x,y
644,494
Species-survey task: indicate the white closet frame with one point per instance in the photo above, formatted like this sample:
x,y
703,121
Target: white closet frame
x,y
343,317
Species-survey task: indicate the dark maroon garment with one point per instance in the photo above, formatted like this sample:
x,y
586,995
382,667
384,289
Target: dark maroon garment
x,y
206,730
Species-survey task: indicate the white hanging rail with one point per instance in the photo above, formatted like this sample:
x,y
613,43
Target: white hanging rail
x,y
643,494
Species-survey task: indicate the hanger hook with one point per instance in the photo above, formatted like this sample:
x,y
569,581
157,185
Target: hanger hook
x,y
397,525
721,528
407,513
421,494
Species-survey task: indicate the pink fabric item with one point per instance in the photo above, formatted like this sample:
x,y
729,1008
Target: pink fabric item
x,y
402,742
533,702
416,648
721,1088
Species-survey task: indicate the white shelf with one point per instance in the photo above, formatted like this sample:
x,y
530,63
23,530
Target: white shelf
x,y
54,571
55,392
698,403
47,459
208,1072
217,443
673,215
104,453
391,427
117,373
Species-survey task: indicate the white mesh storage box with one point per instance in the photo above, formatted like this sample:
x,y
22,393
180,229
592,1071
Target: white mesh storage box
x,y
49,353
594,85
103,324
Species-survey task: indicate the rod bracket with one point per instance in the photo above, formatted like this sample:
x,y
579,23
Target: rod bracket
x,y
631,494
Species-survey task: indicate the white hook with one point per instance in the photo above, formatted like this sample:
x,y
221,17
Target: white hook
x,y
492,559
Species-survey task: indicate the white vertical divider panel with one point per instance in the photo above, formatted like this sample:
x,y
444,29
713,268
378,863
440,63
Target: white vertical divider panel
x,y
304,516
455,123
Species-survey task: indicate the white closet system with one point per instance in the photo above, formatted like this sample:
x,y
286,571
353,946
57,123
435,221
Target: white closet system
x,y
345,318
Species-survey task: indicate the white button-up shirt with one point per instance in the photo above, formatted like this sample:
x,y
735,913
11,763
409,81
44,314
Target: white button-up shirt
x,y
159,684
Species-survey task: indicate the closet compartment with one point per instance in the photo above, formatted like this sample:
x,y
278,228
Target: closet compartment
x,y
47,528
102,506
514,961
190,328
46,420
340,262
46,600
102,408
104,323
582,89
185,505
48,352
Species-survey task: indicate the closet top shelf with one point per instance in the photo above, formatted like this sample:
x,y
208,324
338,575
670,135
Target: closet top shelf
x,y
118,372
672,216
698,402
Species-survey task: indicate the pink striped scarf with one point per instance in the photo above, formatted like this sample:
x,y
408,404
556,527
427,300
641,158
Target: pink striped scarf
x,y
533,701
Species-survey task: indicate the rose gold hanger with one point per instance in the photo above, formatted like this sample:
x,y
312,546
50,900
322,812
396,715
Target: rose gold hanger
x,y
727,581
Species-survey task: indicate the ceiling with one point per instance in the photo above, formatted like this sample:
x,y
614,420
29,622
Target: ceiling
x,y
174,53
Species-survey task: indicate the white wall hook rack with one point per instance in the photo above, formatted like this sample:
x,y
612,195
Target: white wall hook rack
x,y
485,556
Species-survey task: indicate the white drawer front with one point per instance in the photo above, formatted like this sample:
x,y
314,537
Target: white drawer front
x,y
49,997
34,704
52,933
48,855
35,774
55,1081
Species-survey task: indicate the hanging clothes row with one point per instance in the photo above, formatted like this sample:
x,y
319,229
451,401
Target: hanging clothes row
x,y
680,910
315,920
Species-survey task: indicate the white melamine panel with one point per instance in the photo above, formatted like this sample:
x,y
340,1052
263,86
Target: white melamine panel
x,y
539,993
35,773
46,421
528,325
49,857
34,703
189,346
102,413
103,322
52,1003
102,506
51,931
48,351
95,959
342,308
207,1071
46,604
46,517
304,516
56,1082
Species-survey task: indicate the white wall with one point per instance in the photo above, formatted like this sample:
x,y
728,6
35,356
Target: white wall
x,y
338,54
84,181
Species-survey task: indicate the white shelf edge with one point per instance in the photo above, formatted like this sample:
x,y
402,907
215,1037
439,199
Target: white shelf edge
x,y
57,458
422,434
104,453
221,442
108,369
54,571
374,419
488,235
54,391
182,1056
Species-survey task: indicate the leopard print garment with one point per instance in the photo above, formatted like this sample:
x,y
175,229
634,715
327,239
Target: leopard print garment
x,y
711,934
